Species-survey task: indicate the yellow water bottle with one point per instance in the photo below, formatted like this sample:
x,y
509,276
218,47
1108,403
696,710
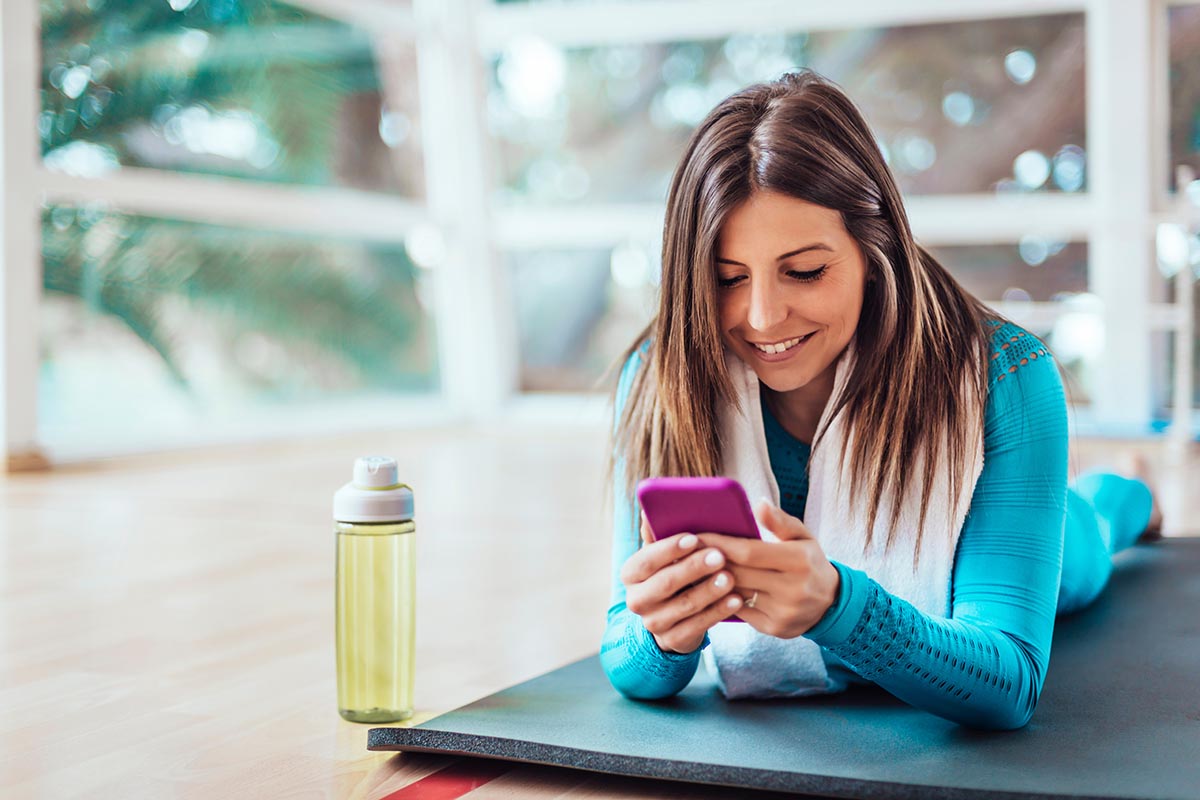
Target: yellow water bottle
x,y
376,592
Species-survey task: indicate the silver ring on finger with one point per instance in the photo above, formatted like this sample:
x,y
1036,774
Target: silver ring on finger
x,y
753,599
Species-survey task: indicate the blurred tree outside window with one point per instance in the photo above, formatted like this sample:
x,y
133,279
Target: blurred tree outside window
x,y
148,318
252,89
978,106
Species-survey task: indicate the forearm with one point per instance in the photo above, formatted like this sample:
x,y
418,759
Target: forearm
x,y
964,670
634,663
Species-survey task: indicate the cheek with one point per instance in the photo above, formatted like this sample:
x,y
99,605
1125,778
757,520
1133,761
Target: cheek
x,y
727,313
850,306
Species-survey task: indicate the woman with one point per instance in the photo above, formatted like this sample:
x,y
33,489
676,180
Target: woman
x,y
806,345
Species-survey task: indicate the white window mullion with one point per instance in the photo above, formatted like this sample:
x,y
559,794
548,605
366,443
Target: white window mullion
x,y
312,210
937,220
20,234
609,23
475,314
1120,142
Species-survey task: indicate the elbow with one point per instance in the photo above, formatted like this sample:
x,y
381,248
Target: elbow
x,y
627,663
1013,709
642,690
632,682
1008,719
1011,713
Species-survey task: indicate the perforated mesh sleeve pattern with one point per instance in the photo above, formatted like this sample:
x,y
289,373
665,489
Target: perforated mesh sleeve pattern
x,y
635,664
1012,348
968,673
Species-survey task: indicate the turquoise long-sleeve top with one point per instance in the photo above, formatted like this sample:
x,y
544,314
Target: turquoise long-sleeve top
x,y
984,665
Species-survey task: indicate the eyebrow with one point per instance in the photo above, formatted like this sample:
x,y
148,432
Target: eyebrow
x,y
788,254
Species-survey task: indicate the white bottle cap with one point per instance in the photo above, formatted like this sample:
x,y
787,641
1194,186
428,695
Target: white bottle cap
x,y
375,494
376,472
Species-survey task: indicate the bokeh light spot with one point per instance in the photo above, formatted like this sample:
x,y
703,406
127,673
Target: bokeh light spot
x,y
1020,66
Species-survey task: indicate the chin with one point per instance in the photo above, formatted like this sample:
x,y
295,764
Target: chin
x,y
783,380
783,386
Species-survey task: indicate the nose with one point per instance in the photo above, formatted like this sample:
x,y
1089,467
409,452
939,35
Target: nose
x,y
767,306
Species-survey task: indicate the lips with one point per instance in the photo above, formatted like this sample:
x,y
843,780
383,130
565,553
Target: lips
x,y
782,350
779,347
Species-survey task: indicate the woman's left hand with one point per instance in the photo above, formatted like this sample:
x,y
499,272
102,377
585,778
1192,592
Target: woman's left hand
x,y
795,582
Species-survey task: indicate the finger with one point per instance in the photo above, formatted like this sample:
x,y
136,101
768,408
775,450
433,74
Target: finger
x,y
647,534
782,556
687,635
672,579
747,580
755,617
797,556
688,602
781,523
653,557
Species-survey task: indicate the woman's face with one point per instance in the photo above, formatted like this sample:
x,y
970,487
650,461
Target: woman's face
x,y
790,282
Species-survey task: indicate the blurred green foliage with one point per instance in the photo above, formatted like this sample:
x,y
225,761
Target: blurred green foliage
x,y
115,73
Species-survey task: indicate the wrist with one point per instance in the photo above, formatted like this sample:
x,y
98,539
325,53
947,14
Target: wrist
x,y
840,619
835,587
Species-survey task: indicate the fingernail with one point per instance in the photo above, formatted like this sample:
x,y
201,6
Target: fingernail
x,y
722,581
687,542
733,602
714,558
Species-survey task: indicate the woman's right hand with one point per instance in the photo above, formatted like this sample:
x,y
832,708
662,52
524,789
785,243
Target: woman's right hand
x,y
678,589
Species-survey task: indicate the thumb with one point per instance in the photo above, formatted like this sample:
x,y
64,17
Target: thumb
x,y
779,522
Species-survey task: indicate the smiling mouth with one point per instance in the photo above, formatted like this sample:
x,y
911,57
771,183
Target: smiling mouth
x,y
780,347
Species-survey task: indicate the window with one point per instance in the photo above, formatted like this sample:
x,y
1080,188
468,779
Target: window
x,y
157,323
228,187
253,90
221,316
980,106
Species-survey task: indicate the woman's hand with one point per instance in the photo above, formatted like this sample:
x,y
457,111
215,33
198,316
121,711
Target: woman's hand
x,y
794,581
678,589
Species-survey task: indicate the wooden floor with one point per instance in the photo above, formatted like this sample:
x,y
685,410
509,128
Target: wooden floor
x,y
166,622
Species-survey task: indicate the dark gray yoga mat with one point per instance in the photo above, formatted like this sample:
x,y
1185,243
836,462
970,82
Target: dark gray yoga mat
x,y
1119,717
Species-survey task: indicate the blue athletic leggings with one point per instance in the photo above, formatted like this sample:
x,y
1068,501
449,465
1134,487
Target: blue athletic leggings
x,y
1105,514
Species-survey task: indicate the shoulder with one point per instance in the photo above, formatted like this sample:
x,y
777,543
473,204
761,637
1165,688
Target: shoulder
x,y
1024,386
1015,350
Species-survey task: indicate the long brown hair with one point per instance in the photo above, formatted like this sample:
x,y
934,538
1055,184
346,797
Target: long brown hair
x,y
919,337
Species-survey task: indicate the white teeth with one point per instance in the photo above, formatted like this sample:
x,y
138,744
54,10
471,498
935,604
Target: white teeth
x,y
771,349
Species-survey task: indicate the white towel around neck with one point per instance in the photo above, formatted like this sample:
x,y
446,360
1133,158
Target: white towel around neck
x,y
749,664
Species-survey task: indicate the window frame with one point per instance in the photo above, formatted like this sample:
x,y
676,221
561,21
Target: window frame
x,y
474,316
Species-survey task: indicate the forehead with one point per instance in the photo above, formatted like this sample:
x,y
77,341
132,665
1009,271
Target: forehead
x,y
775,223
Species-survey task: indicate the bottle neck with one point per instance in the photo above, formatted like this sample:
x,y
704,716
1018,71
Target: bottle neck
x,y
375,528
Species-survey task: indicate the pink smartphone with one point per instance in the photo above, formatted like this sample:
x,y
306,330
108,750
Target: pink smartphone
x,y
696,505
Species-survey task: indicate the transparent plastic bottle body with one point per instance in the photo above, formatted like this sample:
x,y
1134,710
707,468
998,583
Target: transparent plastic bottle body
x,y
375,629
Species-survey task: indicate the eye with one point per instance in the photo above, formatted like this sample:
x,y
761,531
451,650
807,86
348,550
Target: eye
x,y
726,283
811,275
